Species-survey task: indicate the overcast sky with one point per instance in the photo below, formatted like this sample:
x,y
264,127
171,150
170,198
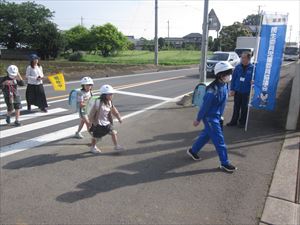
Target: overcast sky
x,y
136,17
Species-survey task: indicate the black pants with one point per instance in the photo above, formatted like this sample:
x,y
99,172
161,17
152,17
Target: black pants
x,y
35,95
240,108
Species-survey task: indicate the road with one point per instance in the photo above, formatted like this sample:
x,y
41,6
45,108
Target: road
x,y
49,178
136,92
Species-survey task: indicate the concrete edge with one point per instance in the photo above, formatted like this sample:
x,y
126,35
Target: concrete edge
x,y
280,207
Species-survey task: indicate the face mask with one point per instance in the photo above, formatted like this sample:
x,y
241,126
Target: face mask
x,y
227,79
12,77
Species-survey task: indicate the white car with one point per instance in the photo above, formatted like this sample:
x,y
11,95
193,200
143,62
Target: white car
x,y
230,57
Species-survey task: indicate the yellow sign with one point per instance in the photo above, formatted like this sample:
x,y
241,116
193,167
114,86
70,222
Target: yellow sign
x,y
58,82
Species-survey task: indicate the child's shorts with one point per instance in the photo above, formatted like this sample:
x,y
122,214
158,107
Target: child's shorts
x,y
100,131
82,113
12,105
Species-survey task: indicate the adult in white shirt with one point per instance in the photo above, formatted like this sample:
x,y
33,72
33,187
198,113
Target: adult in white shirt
x,y
35,93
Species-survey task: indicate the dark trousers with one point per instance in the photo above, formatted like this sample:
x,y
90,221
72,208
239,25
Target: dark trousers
x,y
35,95
240,108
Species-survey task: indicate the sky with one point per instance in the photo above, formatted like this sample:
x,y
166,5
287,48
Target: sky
x,y
136,17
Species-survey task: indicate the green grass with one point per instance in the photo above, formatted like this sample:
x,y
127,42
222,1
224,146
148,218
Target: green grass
x,y
172,57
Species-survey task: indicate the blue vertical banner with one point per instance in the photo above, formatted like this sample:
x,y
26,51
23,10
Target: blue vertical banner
x,y
269,59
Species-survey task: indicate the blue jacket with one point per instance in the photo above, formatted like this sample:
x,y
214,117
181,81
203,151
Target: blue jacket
x,y
239,74
214,102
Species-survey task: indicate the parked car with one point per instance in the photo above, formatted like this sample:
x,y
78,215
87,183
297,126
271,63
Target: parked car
x,y
231,57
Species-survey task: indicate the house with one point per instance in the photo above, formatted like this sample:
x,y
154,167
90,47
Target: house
x,y
194,39
253,29
174,42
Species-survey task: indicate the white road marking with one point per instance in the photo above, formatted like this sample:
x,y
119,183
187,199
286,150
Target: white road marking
x,y
38,125
3,112
143,95
123,76
65,133
37,114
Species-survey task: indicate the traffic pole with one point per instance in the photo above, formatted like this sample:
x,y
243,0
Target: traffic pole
x,y
156,34
204,43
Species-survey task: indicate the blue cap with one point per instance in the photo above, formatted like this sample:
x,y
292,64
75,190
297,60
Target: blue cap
x,y
33,57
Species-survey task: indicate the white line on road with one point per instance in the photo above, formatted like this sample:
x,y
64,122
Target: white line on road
x,y
37,114
143,95
65,133
38,125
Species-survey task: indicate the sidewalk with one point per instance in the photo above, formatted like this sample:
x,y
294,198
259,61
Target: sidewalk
x,y
282,203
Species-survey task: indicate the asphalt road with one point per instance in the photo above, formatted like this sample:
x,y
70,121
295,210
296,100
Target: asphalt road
x,y
152,181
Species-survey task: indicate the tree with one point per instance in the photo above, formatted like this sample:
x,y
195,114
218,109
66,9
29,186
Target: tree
x,y
161,43
79,38
108,40
49,41
253,19
19,23
229,34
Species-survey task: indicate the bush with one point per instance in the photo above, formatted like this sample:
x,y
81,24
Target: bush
x,y
76,56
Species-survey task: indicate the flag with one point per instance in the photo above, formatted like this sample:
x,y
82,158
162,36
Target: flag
x,y
269,59
58,82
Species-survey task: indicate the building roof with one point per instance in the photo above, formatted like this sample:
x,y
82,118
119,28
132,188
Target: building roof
x,y
193,35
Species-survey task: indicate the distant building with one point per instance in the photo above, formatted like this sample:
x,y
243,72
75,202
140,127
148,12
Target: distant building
x,y
193,38
253,29
174,42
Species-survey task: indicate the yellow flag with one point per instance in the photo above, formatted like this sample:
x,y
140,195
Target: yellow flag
x,y
58,82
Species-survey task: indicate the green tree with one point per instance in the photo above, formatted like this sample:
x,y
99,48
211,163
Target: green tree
x,y
108,40
161,43
229,34
253,19
79,38
19,23
49,41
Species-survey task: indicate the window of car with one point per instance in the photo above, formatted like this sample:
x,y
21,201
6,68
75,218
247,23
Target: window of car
x,y
219,56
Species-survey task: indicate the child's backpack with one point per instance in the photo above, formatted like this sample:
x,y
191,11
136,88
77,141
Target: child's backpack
x,y
198,95
90,104
73,99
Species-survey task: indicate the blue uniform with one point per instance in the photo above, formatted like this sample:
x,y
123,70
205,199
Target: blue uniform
x,y
210,113
241,84
241,78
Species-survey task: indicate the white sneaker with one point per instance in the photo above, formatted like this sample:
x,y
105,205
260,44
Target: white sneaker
x,y
118,148
95,150
78,135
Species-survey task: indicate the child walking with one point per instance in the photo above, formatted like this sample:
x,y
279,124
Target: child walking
x,y
83,97
210,113
9,85
101,118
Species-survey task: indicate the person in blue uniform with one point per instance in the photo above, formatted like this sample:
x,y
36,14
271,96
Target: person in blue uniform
x,y
210,113
240,89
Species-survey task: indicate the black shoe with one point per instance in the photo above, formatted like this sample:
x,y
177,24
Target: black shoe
x,y
231,124
7,119
241,126
17,123
229,168
44,110
28,107
193,155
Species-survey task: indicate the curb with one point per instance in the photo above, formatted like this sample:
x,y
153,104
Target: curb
x,y
282,206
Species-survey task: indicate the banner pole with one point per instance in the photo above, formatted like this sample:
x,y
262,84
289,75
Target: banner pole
x,y
255,62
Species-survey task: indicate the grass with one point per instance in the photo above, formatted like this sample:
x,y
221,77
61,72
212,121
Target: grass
x,y
172,57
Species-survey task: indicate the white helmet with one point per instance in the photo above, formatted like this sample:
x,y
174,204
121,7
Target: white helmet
x,y
87,80
107,89
222,66
12,71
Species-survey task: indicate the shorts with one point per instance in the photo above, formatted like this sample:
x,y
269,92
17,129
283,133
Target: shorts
x,y
101,131
82,112
15,104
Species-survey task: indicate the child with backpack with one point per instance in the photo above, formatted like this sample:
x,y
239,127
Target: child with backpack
x,y
211,112
83,96
9,85
101,119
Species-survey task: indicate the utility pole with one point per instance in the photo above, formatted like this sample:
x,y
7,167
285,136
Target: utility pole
x,y
81,21
258,22
204,42
156,34
291,27
168,34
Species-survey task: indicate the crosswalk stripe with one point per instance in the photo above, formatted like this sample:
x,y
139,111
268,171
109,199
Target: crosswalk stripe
x,y
4,105
61,134
37,114
3,112
38,125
